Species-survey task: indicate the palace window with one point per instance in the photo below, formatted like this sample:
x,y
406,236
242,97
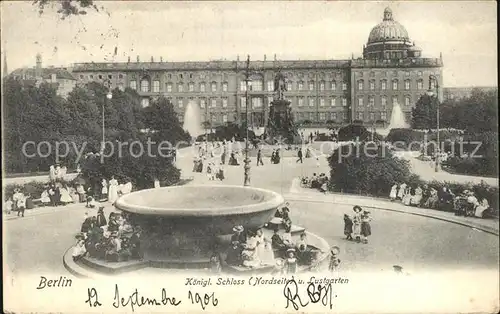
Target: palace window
x,y
333,85
311,85
133,85
311,102
334,116
145,102
407,84
181,76
333,101
190,75
301,85
180,87
256,102
269,100
394,100
110,76
120,76
213,102
202,87
322,102
407,73
144,85
395,85
180,102
169,76
344,102
100,76
224,86
371,101
243,102
372,116
214,86
360,115
243,85
383,101
344,86
191,87
407,101
420,84
257,85
322,85
383,85
372,85
360,84
383,115
270,86
156,86
224,118
322,116
360,102
289,86
433,84
169,87
419,73
301,101
213,118
224,102
203,102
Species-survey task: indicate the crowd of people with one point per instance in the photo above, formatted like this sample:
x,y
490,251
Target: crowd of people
x,y
465,203
319,182
112,240
57,193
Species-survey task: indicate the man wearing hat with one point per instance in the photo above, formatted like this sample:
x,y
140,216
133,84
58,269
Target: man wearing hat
x,y
279,243
239,235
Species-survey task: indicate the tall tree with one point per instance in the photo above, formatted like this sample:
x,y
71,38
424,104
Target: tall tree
x,y
424,114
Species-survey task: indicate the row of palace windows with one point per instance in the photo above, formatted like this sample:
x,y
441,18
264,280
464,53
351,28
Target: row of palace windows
x,y
373,116
257,102
101,76
256,85
383,101
145,86
395,84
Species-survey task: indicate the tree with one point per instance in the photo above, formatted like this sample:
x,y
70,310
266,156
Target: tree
x,y
424,114
366,168
161,118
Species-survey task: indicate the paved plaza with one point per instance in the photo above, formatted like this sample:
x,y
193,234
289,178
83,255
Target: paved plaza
x,y
401,235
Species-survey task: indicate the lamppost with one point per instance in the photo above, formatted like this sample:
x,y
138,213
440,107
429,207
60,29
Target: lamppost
x,y
109,96
247,160
430,92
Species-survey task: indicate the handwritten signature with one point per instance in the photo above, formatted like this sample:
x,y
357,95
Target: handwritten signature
x,y
136,300
322,294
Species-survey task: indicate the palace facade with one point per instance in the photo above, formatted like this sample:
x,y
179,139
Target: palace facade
x,y
339,92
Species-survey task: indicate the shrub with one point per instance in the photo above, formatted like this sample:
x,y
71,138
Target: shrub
x,y
35,188
366,169
401,138
354,132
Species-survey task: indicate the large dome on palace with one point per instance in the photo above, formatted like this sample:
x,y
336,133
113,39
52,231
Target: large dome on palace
x,y
390,40
388,30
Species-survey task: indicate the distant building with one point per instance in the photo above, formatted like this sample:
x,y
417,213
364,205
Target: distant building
x,y
450,93
335,91
61,79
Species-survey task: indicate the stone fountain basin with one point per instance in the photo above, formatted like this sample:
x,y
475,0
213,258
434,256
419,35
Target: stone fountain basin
x,y
198,209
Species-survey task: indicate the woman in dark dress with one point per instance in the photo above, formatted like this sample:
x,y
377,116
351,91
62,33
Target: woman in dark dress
x,y
101,220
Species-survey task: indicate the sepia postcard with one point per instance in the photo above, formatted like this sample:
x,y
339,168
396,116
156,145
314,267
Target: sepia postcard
x,y
250,156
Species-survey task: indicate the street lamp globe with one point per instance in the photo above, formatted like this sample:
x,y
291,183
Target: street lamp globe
x,y
109,95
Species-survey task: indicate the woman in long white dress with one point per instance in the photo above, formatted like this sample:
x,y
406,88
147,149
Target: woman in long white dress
x,y
249,254
394,192
264,250
407,196
65,196
417,198
52,173
45,198
113,190
484,205
104,190
402,190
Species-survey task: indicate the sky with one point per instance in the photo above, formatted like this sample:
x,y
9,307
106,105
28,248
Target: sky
x,y
464,32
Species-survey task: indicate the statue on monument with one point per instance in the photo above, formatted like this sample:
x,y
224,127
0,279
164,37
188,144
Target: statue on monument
x,y
279,85
280,124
